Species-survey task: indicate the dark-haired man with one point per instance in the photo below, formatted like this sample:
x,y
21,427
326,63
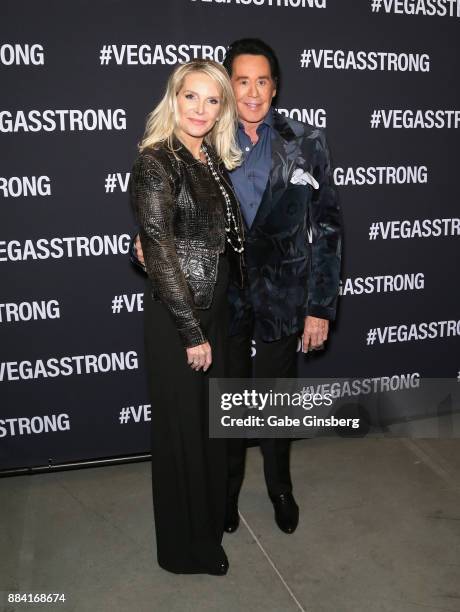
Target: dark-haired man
x,y
292,251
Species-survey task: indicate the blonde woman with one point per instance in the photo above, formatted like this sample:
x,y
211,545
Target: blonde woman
x,y
192,239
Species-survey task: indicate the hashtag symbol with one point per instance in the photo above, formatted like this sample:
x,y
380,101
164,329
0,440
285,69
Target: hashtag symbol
x,y
374,231
110,183
371,334
105,55
125,415
117,304
376,5
375,119
305,58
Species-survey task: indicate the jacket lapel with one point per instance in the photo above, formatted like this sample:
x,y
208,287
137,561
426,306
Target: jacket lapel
x,y
285,150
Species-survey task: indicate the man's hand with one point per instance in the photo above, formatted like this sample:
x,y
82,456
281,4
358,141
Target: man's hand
x,y
315,333
138,247
199,356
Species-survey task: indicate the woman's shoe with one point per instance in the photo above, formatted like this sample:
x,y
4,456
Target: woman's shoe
x,y
213,560
220,568
232,518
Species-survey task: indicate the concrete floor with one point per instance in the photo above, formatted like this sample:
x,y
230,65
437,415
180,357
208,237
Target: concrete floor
x,y
379,531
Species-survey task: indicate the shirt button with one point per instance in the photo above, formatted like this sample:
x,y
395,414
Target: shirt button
x,y
247,149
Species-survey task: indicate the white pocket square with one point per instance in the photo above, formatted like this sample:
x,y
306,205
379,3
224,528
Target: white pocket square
x,y
302,177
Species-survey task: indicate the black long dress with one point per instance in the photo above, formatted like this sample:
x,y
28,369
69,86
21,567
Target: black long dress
x,y
189,469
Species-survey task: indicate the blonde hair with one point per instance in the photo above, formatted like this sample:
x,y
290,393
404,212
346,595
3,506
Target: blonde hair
x,y
162,121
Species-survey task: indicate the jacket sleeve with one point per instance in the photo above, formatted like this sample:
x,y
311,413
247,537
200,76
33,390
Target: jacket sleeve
x,y
133,254
326,237
153,203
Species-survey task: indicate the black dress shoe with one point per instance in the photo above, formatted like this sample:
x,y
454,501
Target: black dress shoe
x,y
232,518
286,512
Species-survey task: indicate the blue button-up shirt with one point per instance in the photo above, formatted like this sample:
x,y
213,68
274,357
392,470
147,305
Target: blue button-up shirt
x,y
250,179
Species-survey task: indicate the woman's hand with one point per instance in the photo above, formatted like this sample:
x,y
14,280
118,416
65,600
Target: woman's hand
x,y
199,356
139,252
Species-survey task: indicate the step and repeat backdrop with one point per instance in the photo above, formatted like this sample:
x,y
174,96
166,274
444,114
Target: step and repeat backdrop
x,y
77,81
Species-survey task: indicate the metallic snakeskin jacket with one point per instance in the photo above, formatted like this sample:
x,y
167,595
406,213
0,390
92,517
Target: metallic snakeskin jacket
x,y
181,215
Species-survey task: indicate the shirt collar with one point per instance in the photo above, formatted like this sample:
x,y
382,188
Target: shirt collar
x,y
268,120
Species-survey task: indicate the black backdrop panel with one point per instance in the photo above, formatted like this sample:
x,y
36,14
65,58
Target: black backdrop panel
x,y
76,85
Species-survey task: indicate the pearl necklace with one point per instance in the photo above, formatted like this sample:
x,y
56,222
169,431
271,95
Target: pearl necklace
x,y
230,216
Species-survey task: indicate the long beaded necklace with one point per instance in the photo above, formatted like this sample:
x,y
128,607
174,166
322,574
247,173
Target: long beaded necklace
x,y
229,212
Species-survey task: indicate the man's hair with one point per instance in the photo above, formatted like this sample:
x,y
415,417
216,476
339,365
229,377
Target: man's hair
x,y
253,46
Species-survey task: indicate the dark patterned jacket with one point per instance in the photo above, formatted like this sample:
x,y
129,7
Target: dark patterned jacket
x,y
293,248
181,218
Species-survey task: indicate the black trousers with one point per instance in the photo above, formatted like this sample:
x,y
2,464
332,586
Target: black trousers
x,y
189,469
276,359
